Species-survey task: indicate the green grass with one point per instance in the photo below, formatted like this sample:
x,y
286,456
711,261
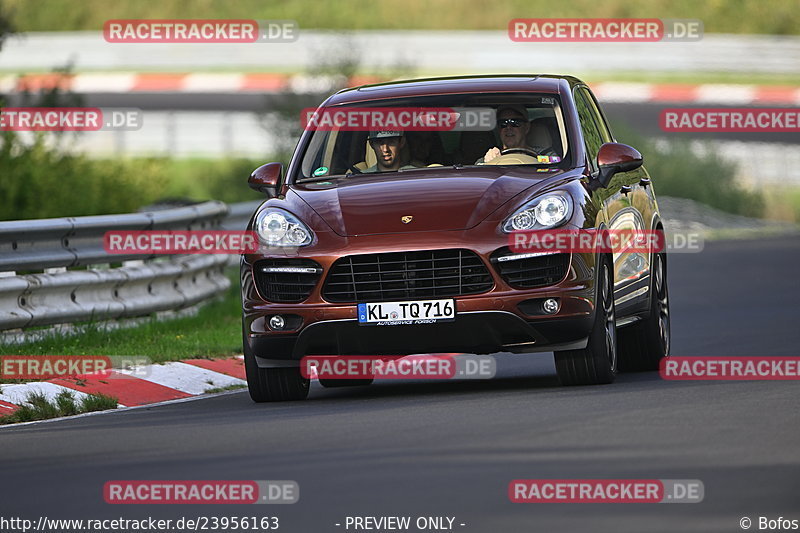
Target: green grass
x,y
783,202
678,78
211,179
780,17
677,171
215,331
85,186
64,404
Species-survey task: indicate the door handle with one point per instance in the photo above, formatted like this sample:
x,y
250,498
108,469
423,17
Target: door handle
x,y
644,182
625,189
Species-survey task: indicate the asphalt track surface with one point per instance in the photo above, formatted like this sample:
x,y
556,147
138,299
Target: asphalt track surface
x,y
451,448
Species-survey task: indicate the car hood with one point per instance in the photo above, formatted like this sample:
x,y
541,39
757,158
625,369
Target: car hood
x,y
364,205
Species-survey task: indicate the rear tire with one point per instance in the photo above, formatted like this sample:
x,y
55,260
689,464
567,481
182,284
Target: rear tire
x,y
273,384
645,343
597,363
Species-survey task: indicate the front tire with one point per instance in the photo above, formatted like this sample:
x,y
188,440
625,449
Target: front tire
x,y
597,363
273,384
335,383
644,344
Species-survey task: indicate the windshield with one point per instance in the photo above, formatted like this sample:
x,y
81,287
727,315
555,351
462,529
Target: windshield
x,y
430,132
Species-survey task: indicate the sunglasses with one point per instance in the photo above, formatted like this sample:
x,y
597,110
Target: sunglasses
x,y
513,122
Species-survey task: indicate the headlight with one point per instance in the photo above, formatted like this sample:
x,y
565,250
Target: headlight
x,y
547,211
277,227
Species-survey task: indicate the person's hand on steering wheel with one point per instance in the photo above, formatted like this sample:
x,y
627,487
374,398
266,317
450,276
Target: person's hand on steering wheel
x,y
491,154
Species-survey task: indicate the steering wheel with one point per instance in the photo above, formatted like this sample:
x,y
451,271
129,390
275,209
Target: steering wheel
x,y
515,156
525,151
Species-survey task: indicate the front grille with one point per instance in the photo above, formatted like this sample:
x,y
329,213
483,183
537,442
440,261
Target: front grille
x,y
404,275
531,272
286,280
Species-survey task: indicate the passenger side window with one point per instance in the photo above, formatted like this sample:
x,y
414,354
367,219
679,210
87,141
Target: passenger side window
x,y
592,136
605,132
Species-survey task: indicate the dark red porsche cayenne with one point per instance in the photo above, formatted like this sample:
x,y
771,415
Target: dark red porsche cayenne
x,y
397,240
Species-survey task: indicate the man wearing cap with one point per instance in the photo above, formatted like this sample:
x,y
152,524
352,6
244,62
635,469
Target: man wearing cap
x,y
513,125
387,146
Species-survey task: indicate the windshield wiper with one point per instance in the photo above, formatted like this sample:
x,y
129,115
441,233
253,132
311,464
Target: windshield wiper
x,y
321,178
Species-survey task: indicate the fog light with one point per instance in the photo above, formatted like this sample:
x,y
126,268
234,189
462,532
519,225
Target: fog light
x,y
550,306
276,322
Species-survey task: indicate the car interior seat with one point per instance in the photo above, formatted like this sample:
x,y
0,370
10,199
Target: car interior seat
x,y
543,135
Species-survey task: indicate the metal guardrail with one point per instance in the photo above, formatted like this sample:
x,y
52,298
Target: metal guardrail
x,y
56,271
239,215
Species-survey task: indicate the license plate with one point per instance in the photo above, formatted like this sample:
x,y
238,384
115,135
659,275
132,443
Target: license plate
x,y
403,313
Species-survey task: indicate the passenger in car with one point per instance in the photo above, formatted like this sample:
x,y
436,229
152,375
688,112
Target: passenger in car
x,y
387,146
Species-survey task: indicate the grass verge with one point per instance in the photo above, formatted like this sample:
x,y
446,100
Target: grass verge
x,y
694,78
64,404
105,186
678,171
783,202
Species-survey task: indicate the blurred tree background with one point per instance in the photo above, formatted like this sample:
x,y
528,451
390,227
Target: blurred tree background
x,y
775,17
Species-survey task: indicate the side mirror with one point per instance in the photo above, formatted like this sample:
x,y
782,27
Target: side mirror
x,y
266,179
616,157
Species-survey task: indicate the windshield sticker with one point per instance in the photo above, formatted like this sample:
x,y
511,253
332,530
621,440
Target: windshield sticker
x,y
321,171
555,159
543,158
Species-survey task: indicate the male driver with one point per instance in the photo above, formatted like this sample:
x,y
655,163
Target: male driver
x,y
513,125
387,146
